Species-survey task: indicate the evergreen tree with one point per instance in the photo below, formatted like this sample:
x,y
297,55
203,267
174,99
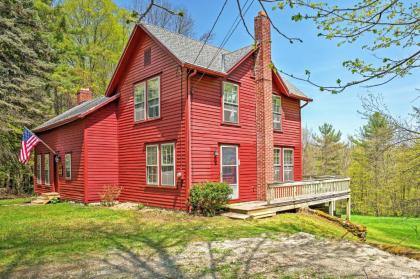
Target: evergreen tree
x,y
329,150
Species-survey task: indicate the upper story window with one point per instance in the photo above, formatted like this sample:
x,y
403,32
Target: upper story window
x,y
147,56
288,164
39,169
230,102
47,169
147,99
277,164
67,165
276,112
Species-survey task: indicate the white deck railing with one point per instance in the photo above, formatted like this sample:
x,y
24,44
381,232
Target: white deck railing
x,y
300,190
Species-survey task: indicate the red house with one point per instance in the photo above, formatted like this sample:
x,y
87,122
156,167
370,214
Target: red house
x,y
176,113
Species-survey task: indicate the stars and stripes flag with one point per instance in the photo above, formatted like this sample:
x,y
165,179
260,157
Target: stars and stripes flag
x,y
29,141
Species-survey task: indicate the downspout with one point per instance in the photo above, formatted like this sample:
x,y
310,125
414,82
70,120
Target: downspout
x,y
188,119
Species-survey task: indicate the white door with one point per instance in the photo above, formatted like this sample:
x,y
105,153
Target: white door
x,y
229,168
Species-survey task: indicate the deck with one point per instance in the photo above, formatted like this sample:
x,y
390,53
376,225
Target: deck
x,y
293,195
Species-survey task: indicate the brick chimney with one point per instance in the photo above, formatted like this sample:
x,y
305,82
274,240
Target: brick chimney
x,y
84,94
264,116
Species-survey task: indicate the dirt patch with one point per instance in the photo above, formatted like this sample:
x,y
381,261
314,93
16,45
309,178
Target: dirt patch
x,y
270,256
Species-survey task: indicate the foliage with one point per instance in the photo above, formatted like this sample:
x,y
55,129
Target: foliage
x,y
329,147
209,197
110,194
65,231
378,24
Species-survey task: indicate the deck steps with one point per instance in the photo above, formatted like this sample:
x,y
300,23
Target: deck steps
x,y
45,198
234,215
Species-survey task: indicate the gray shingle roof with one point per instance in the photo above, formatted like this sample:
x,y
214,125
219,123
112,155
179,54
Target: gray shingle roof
x,y
73,112
293,89
187,49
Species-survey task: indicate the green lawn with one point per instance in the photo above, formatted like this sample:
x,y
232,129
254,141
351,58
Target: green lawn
x,y
35,234
398,231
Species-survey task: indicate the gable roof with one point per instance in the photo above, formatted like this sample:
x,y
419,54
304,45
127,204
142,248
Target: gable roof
x,y
185,51
77,112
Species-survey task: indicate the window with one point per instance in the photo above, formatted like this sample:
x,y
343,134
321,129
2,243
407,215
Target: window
x,y
147,56
47,169
147,99
277,164
153,96
139,101
167,164
152,164
67,163
288,164
229,168
276,112
38,169
230,102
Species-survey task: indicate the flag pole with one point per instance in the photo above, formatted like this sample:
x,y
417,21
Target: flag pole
x,y
46,145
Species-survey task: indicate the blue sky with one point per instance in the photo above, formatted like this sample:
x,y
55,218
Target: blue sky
x,y
322,57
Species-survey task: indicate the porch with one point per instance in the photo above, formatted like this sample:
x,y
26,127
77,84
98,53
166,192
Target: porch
x,y
293,195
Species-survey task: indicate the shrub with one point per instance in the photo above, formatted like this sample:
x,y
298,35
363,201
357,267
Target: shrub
x,y
110,194
208,198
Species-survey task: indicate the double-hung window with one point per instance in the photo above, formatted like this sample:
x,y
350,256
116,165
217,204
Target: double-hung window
x,y
147,99
230,102
277,164
160,170
230,168
288,164
39,169
47,169
67,166
276,112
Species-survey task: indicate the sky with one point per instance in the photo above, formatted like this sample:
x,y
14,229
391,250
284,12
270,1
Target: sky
x,y
322,57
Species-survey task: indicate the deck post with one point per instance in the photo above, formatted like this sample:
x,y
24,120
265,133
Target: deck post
x,y
331,208
348,209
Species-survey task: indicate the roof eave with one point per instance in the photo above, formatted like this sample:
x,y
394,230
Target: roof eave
x,y
242,60
287,91
204,70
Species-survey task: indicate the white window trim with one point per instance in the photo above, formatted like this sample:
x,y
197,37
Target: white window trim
x,y
162,165
157,164
47,162
280,161
277,113
144,101
39,169
147,99
223,102
237,167
65,166
292,165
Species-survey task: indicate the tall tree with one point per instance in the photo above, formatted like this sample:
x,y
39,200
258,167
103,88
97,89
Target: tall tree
x,y
329,150
24,68
309,149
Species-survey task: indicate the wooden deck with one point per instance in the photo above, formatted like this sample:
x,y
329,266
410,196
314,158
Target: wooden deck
x,y
293,195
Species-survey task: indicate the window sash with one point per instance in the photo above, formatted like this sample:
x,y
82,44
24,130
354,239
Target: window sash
x,y
167,172
277,164
47,169
153,98
38,169
152,164
230,167
67,163
230,102
276,112
139,101
288,164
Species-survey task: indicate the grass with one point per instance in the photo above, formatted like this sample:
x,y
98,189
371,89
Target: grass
x,y
35,234
399,231
15,201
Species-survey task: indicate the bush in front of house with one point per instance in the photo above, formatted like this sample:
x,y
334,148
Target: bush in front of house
x,y
110,194
208,198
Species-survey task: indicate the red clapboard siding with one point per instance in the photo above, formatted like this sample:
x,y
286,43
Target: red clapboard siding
x,y
208,133
101,151
67,138
290,136
133,137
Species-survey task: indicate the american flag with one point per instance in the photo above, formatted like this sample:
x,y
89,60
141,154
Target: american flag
x,y
29,141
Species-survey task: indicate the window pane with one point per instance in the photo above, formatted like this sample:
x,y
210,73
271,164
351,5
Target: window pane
x,y
47,168
167,154
151,155
228,156
277,176
288,173
152,175
229,175
38,169
139,101
68,165
288,157
153,95
276,104
276,156
168,175
231,114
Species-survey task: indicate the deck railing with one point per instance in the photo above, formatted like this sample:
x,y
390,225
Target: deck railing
x,y
300,190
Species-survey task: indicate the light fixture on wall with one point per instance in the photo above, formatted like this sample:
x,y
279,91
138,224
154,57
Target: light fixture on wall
x,y
216,154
